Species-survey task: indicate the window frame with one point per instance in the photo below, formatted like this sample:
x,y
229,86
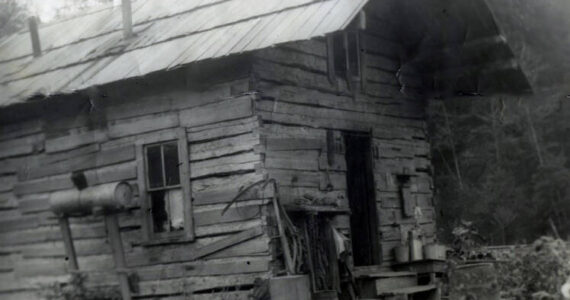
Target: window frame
x,y
178,135
355,83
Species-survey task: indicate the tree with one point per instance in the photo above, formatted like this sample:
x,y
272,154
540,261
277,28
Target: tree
x,y
12,17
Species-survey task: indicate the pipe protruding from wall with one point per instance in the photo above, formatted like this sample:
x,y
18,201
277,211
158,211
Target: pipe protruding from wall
x,y
127,19
35,36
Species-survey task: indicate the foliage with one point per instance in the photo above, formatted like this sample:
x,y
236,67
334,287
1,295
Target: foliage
x,y
503,164
75,289
12,17
534,272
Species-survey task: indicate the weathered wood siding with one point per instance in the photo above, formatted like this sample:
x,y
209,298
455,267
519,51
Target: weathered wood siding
x,y
298,105
38,156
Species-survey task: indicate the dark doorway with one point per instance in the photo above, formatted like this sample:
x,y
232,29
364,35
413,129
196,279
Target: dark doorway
x,y
362,200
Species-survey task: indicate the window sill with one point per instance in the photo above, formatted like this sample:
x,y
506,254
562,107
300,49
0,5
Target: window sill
x,y
178,239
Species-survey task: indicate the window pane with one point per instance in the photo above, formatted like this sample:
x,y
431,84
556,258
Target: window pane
x,y
176,209
171,164
154,163
339,55
159,211
353,54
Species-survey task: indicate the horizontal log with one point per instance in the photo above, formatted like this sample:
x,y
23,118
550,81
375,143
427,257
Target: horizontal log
x,y
20,129
222,147
332,180
291,144
194,284
225,194
235,213
243,243
113,173
229,227
223,129
277,131
315,46
138,125
22,146
275,72
370,119
75,140
18,223
51,233
226,110
296,178
7,182
89,161
57,248
292,160
209,268
297,59
242,162
61,156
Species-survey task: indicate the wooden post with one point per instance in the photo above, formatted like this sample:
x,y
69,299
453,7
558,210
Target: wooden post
x,y
35,36
112,223
68,243
127,19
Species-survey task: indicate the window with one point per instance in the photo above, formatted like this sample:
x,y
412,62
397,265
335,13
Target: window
x,y
165,186
344,57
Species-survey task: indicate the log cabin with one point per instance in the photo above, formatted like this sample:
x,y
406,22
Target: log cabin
x,y
207,149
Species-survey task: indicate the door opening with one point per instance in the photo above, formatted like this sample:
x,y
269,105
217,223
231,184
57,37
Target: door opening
x,y
362,200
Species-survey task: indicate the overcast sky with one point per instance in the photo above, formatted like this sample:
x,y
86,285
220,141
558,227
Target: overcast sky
x,y
46,9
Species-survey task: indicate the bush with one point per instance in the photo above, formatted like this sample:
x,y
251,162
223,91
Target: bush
x,y
536,271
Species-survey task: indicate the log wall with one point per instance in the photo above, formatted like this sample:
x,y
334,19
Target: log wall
x,y
38,156
299,106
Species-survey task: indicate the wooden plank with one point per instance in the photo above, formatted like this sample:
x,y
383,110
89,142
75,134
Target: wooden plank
x,y
226,242
294,177
370,119
292,160
56,157
185,183
120,172
48,184
272,130
276,72
84,162
222,147
227,194
297,59
209,268
230,227
241,266
138,125
217,112
75,140
146,105
223,129
18,223
234,213
289,144
22,146
7,182
315,46
145,138
19,129
227,164
180,285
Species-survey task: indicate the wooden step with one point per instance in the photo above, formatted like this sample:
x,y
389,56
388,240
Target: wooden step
x,y
409,290
384,284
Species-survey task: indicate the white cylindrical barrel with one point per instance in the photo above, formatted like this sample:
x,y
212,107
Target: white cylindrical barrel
x,y
112,196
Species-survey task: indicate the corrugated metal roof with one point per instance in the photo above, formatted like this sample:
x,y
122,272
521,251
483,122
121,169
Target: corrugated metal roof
x,y
90,50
